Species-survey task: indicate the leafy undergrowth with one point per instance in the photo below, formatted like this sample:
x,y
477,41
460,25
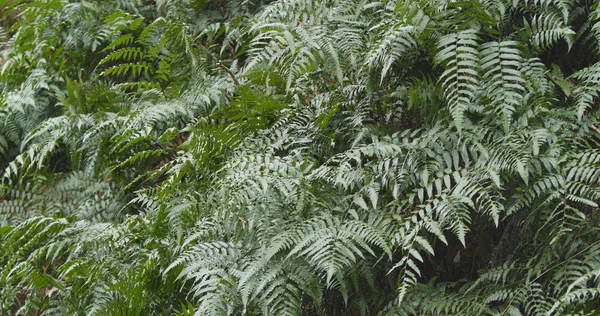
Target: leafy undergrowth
x,y
299,157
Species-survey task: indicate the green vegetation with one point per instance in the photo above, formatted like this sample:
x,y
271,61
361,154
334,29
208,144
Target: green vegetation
x,y
299,157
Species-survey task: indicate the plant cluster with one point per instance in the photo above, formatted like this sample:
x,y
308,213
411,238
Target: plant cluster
x,y
299,157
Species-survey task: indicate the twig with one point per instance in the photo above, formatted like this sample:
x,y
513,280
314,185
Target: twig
x,y
597,130
235,79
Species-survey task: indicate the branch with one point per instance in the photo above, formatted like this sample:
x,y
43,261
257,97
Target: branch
x,y
235,79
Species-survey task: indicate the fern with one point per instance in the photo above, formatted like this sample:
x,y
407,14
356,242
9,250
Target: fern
x,y
501,66
546,30
299,157
460,80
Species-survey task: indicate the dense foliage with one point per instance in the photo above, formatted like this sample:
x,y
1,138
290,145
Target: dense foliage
x,y
299,157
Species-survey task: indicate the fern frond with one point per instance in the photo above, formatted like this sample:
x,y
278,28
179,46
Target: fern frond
x,y
460,80
501,64
546,30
